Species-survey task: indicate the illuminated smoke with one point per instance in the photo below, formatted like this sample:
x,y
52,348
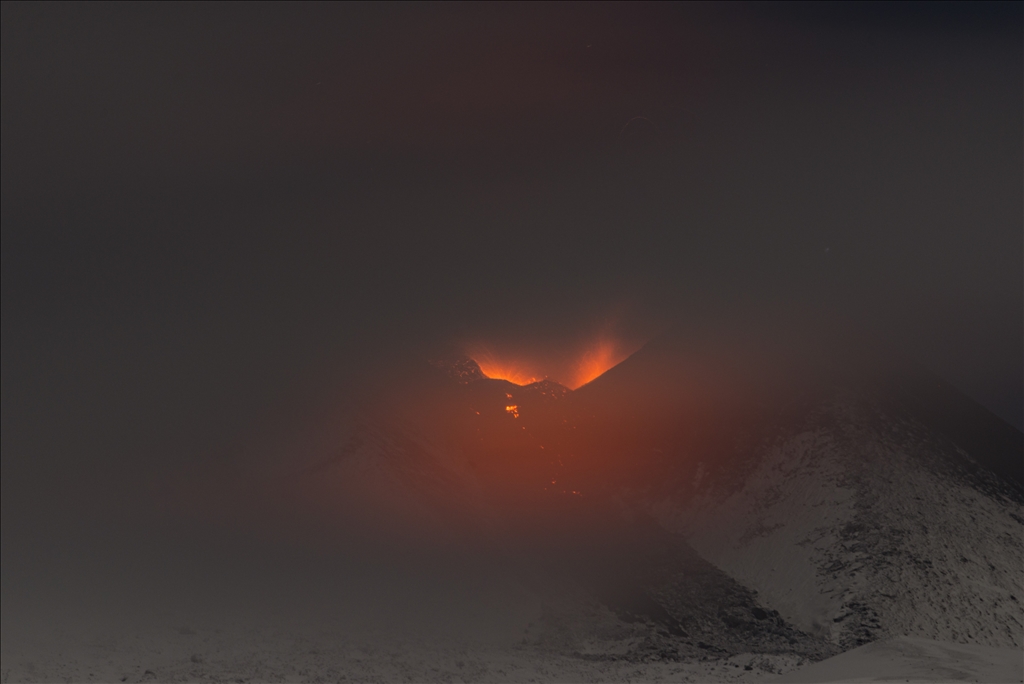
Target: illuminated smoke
x,y
515,371
593,361
598,359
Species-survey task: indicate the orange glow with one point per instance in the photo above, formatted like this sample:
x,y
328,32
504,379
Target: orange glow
x,y
513,409
597,359
575,371
515,372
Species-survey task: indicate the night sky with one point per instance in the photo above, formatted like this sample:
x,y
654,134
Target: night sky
x,y
217,219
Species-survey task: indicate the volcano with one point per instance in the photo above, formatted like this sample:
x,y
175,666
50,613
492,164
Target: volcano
x,y
698,512
680,510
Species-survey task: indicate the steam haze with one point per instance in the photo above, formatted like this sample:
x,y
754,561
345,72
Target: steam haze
x,y
228,228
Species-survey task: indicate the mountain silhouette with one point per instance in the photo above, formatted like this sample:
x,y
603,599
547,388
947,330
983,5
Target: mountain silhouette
x,y
687,503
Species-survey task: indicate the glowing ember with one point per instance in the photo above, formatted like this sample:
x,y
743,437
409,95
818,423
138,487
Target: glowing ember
x,y
513,409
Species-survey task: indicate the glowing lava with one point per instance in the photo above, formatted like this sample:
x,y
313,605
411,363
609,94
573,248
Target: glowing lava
x,y
592,362
515,372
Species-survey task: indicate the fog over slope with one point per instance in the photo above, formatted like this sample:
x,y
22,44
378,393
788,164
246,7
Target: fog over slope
x,y
692,512
251,253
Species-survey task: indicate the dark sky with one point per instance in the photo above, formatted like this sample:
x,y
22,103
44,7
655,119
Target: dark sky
x,y
215,215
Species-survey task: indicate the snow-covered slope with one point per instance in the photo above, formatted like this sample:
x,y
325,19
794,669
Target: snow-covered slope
x,y
912,659
864,526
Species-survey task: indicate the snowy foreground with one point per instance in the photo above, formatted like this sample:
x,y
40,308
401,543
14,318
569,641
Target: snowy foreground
x,y
908,659
187,654
277,658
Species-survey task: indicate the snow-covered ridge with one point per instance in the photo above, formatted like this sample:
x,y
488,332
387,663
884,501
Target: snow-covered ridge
x,y
864,527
